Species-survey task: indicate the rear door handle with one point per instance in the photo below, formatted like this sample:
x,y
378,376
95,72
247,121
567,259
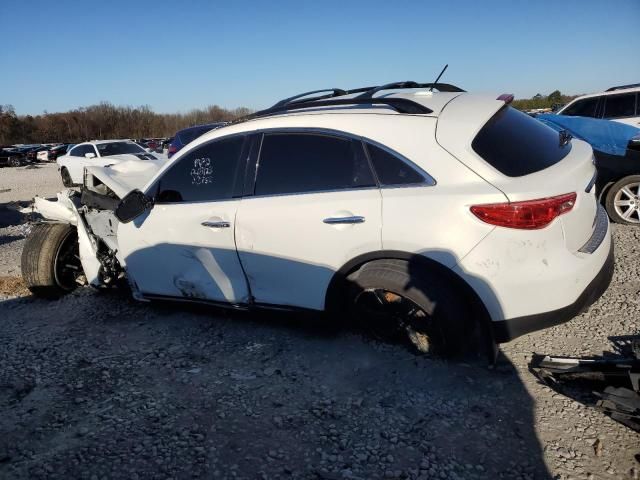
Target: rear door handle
x,y
218,224
339,220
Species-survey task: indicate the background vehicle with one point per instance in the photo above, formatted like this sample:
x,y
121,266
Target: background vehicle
x,y
620,104
98,153
54,152
12,158
38,153
319,204
187,135
616,149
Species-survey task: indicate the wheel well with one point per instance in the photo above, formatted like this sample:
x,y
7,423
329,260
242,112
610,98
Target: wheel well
x,y
334,299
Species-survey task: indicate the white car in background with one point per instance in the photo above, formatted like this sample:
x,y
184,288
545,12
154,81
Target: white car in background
x,y
619,104
98,154
439,214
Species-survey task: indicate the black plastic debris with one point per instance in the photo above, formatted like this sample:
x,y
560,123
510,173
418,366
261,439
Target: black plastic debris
x,y
614,378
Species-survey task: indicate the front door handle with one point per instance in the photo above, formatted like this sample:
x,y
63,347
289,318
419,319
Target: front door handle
x,y
339,220
218,224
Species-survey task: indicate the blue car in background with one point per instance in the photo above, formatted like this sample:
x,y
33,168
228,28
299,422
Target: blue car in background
x,y
188,135
616,147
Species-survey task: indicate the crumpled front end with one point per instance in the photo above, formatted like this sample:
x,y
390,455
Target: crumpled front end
x,y
65,210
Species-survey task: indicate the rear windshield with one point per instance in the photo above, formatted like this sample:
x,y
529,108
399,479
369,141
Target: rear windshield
x,y
191,134
516,144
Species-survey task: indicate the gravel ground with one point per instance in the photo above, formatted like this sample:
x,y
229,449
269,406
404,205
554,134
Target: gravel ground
x,y
98,386
23,183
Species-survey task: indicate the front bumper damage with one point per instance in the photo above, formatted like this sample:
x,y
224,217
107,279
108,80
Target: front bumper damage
x,y
65,210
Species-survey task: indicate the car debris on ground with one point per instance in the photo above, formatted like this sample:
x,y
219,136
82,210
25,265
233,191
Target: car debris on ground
x,y
618,373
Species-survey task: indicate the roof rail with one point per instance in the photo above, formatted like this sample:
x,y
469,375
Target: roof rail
x,y
335,92
366,92
620,87
400,105
443,87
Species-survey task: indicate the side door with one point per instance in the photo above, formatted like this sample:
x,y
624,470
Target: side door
x,y
315,206
185,245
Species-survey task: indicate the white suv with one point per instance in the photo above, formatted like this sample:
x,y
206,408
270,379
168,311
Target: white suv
x,y
443,213
620,104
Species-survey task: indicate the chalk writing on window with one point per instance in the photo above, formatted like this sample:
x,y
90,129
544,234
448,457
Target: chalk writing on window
x,y
202,171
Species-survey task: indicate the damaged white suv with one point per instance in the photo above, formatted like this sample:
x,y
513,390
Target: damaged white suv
x,y
443,213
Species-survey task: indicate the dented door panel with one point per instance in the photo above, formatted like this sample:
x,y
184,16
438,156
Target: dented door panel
x,y
170,251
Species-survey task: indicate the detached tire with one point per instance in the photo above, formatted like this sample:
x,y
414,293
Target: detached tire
x,y
50,260
66,178
405,301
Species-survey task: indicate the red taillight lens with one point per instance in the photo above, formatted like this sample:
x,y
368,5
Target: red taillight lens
x,y
172,150
528,215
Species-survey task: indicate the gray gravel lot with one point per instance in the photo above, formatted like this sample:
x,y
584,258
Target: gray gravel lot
x,y
96,386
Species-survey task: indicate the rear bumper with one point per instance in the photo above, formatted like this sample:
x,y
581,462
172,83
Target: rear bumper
x,y
507,330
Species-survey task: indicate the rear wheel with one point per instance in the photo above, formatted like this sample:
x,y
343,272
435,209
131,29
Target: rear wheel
x,y
394,299
14,162
50,260
66,178
623,201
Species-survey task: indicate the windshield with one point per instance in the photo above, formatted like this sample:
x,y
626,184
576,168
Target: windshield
x,y
118,148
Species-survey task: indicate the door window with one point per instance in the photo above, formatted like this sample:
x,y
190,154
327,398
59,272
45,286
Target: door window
x,y
392,170
617,106
207,173
582,108
303,163
80,150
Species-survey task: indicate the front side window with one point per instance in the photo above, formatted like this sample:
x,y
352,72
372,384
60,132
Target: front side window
x,y
119,148
617,106
80,150
392,170
304,163
207,173
582,108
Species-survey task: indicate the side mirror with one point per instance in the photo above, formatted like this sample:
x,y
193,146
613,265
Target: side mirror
x,y
89,155
134,204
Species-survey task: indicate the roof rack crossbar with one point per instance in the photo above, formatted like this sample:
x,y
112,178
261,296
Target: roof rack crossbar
x,y
620,87
389,86
400,105
443,87
335,92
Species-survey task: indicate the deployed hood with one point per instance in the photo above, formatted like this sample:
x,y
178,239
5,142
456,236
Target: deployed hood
x,y
125,175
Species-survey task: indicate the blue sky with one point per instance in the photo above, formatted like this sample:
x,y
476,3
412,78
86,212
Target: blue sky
x,y
179,55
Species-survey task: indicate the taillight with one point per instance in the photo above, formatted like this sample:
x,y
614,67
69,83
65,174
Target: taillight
x,y
172,150
527,215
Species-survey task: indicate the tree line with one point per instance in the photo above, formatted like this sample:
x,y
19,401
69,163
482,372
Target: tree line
x,y
543,101
103,121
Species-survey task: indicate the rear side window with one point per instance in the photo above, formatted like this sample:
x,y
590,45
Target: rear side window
x,y
207,173
392,170
304,163
516,144
617,106
582,108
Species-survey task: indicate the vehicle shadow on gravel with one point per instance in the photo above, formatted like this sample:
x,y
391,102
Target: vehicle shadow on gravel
x,y
98,384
